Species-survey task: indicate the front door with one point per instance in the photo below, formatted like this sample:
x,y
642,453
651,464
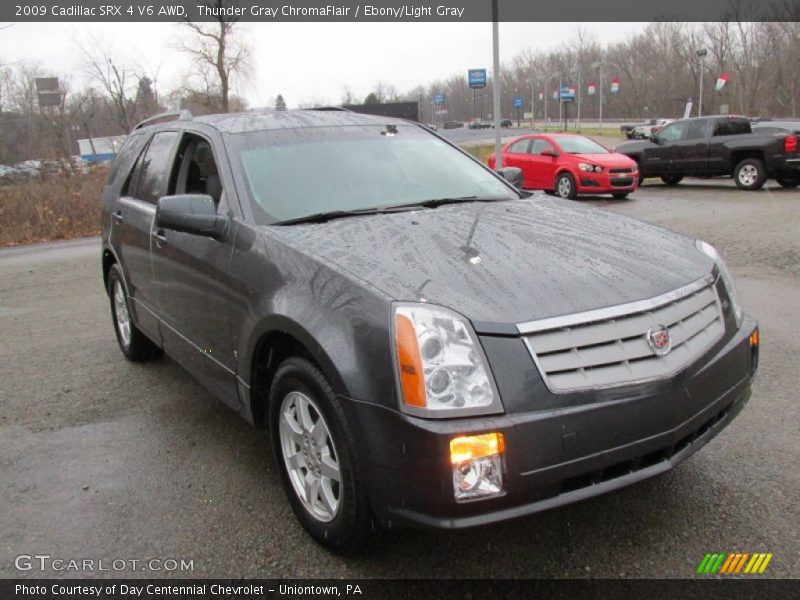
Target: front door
x,y
659,159
192,273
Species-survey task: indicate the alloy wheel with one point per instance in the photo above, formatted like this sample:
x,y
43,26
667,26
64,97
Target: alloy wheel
x,y
310,456
122,315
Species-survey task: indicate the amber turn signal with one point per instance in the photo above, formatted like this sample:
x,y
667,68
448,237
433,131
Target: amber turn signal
x,y
470,447
412,377
754,338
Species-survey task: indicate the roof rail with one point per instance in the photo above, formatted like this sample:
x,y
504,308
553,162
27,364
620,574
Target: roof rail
x,y
331,108
174,115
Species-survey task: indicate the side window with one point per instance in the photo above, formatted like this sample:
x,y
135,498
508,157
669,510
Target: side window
x,y
696,130
538,146
195,170
673,131
731,127
519,147
126,158
151,182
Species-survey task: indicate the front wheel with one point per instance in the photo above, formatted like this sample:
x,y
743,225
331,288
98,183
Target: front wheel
x,y
316,456
565,187
788,181
750,174
672,179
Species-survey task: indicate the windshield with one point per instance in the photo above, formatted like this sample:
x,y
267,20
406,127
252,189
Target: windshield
x,y
575,144
293,173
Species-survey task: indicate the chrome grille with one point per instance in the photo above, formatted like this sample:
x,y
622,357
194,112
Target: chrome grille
x,y
610,347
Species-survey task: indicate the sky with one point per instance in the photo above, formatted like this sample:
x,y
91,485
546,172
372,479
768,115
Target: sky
x,y
304,62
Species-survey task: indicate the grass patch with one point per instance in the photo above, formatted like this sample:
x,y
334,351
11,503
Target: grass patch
x,y
55,208
481,152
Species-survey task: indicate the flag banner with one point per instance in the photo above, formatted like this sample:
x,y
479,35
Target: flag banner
x,y
591,88
541,95
555,94
615,85
721,81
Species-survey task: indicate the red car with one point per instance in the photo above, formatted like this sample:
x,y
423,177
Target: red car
x,y
569,164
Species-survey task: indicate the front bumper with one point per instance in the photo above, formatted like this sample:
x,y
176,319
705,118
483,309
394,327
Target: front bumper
x,y
605,182
566,450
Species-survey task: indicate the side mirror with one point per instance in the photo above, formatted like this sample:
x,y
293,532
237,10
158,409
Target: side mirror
x,y
512,175
191,213
549,151
654,138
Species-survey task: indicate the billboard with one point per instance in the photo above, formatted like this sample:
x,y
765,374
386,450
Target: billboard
x,y
476,78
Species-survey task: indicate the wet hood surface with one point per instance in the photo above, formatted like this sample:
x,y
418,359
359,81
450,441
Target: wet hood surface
x,y
503,263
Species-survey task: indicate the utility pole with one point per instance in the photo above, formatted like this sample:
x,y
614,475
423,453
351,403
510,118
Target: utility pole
x,y
701,55
496,83
599,65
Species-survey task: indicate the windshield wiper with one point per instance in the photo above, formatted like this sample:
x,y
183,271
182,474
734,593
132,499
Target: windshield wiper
x,y
321,217
435,202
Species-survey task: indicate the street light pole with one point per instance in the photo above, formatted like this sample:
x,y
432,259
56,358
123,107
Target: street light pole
x,y
496,83
701,55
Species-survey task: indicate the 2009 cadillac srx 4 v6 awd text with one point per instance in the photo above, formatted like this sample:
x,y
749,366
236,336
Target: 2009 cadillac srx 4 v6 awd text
x,y
425,344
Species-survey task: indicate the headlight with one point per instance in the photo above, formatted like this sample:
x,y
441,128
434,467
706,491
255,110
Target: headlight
x,y
589,168
441,367
727,279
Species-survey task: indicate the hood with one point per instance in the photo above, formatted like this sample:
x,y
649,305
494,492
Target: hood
x,y
504,263
634,147
614,160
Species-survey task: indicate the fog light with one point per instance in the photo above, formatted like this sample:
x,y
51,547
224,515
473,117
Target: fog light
x,y
477,466
754,339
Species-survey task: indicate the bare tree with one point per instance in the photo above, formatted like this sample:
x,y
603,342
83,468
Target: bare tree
x,y
218,47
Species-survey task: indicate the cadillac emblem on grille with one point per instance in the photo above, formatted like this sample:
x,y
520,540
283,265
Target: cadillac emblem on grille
x,y
659,340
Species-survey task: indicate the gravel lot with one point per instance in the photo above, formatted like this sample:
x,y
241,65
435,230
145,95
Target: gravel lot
x,y
108,460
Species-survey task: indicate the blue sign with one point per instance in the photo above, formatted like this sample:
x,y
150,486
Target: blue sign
x,y
477,78
567,94
517,101
438,99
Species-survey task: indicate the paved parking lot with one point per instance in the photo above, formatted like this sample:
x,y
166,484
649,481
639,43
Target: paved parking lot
x,y
108,460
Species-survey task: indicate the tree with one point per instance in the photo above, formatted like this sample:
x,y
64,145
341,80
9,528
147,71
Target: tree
x,y
280,103
372,98
218,47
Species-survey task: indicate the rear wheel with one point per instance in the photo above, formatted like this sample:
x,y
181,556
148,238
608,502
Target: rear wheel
x,y
565,187
788,181
316,456
672,179
135,345
750,174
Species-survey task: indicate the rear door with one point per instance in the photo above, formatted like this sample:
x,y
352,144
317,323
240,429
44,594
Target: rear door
x,y
192,273
132,220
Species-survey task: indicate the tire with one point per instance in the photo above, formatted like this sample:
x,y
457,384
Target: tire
x,y
788,181
750,174
565,187
338,516
135,345
620,195
672,179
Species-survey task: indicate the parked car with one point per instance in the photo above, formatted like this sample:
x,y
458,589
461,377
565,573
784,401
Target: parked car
x,y
717,146
627,130
645,130
480,125
506,123
453,125
569,165
425,345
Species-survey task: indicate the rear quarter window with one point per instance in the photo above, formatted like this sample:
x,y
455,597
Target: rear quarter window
x,y
123,163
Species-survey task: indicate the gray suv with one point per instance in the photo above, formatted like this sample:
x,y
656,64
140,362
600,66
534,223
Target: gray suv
x,y
424,344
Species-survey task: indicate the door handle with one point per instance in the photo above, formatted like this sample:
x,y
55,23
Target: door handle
x,y
159,237
117,216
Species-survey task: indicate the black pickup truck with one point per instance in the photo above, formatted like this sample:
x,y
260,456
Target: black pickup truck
x,y
718,146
